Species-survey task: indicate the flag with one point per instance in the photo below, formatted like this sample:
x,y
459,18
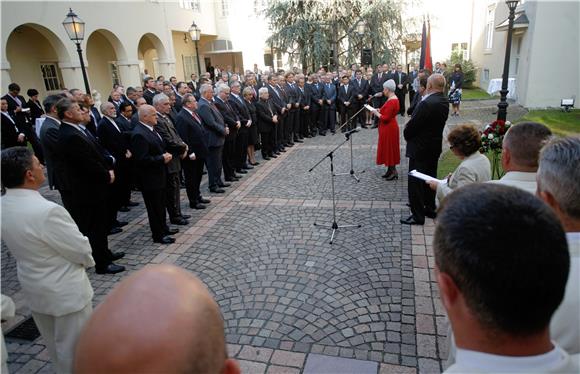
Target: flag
x,y
423,46
428,61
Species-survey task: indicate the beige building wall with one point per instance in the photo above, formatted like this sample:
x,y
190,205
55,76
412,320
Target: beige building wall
x,y
100,53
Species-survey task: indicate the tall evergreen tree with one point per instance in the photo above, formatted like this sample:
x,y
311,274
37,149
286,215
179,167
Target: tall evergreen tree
x,y
307,29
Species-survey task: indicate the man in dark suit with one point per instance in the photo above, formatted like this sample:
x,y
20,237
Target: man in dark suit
x,y
424,135
190,128
284,131
236,101
304,104
150,90
267,122
316,102
174,145
232,121
181,91
216,131
329,108
150,159
18,109
123,120
11,134
400,79
88,175
413,87
49,137
376,85
362,90
135,118
293,119
280,106
346,101
111,137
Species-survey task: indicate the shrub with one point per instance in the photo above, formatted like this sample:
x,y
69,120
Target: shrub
x,y
468,67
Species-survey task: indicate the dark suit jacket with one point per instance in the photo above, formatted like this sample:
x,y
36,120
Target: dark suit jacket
x,y
276,98
148,96
402,81
85,170
344,95
173,142
36,110
361,89
304,96
126,125
251,107
316,93
20,117
230,117
265,110
49,142
213,122
193,134
241,109
377,83
10,132
178,104
424,131
113,140
147,149
330,94
292,94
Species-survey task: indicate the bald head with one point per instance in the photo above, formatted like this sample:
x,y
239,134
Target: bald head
x,y
147,114
436,83
160,319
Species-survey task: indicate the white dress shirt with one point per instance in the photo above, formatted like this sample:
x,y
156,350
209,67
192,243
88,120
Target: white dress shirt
x,y
523,180
51,253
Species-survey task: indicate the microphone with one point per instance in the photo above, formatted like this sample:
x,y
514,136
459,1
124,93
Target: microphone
x,y
350,132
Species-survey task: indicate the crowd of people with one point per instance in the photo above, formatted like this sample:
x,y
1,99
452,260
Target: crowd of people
x,y
153,139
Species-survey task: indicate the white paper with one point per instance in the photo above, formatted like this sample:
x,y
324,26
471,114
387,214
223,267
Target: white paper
x,y
425,177
368,107
38,125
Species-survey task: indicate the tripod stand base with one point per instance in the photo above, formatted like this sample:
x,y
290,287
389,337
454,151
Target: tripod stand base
x,y
334,227
352,173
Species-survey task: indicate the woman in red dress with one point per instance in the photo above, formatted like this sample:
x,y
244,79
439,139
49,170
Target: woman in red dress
x,y
388,151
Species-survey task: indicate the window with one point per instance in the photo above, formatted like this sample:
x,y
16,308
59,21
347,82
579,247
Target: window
x,y
189,66
194,5
489,27
50,76
114,70
225,8
279,59
486,75
462,49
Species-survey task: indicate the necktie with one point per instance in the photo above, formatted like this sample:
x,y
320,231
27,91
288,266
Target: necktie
x,y
89,134
194,115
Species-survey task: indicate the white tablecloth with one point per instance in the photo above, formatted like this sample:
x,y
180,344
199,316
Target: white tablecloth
x,y
495,86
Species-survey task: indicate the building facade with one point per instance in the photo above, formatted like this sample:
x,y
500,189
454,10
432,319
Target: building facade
x,y
123,39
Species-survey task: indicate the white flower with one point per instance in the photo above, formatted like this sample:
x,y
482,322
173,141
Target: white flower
x,y
508,123
490,136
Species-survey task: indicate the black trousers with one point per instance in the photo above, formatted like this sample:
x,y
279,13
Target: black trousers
x,y
90,215
279,137
315,112
329,118
360,118
193,171
214,166
228,156
304,124
411,96
172,196
421,197
241,148
401,96
345,113
155,204
267,142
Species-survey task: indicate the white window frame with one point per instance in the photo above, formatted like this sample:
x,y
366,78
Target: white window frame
x,y
189,66
489,28
114,73
225,7
51,81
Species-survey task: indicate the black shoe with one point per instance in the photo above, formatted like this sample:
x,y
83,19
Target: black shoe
x,y
431,214
411,221
241,171
333,132
124,209
179,221
267,158
185,216
281,151
254,163
274,155
117,255
247,167
289,145
222,185
164,240
298,141
374,126
322,134
203,201
230,179
171,231
132,203
115,230
408,204
392,177
121,223
111,269
197,206
217,190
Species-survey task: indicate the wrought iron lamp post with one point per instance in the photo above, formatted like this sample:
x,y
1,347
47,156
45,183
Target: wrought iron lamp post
x,y
503,104
195,34
75,28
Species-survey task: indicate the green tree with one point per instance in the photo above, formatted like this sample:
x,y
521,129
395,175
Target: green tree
x,y
467,66
307,29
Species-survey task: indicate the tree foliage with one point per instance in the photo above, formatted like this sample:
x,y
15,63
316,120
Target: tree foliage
x,y
306,30
467,66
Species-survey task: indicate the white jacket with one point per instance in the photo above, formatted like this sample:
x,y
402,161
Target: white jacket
x,y
51,253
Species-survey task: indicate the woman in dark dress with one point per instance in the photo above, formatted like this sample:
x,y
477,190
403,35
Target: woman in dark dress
x,y
36,110
248,94
455,84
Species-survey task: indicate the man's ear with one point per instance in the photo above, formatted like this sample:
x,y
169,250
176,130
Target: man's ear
x,y
549,199
448,290
505,157
231,367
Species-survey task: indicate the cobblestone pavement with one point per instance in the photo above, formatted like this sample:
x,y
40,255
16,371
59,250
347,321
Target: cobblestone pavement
x,y
291,301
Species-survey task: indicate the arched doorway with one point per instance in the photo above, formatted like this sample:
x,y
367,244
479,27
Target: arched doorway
x,y
150,51
34,53
103,51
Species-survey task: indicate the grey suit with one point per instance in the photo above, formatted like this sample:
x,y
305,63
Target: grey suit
x,y
216,135
49,140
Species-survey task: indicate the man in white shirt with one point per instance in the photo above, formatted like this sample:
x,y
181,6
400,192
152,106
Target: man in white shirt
x,y
51,256
559,186
519,158
501,278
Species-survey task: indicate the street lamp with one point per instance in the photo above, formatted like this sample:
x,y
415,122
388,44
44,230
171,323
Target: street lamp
x,y
503,104
75,28
195,34
360,31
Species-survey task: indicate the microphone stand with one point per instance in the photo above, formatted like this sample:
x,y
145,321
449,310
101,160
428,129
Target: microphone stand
x,y
352,173
334,226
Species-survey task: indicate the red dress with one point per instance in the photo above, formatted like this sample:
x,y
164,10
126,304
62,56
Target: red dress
x,y
388,151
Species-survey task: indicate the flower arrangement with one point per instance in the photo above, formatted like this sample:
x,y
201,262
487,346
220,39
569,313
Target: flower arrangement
x,y
491,143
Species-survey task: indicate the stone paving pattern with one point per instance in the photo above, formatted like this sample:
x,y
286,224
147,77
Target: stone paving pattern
x,y
292,302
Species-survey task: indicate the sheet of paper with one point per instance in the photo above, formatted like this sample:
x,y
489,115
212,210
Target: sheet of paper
x,y
368,107
425,177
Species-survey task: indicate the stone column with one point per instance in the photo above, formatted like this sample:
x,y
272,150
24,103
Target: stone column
x,y
72,75
5,78
129,72
167,67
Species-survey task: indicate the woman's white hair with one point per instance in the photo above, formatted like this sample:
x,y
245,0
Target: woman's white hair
x,y
390,85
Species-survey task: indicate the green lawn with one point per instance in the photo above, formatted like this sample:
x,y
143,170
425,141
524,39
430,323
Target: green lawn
x,y
449,162
561,123
474,93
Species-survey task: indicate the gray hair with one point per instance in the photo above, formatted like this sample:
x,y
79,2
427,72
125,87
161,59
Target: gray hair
x,y
222,87
63,106
524,141
390,85
235,84
144,110
187,97
262,90
204,88
559,173
160,98
106,105
247,91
